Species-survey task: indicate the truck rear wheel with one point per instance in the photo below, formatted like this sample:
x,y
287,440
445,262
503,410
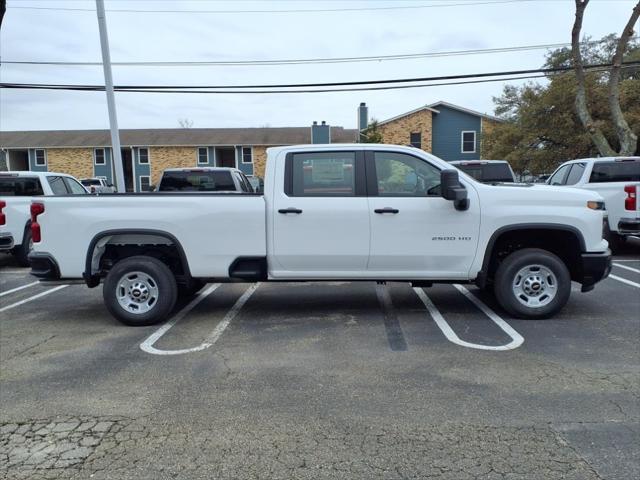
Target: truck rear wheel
x,y
140,291
532,283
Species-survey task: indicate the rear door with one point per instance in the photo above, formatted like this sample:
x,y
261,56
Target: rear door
x,y
415,233
320,217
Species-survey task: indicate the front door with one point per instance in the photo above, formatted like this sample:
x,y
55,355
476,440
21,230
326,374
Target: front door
x,y
415,233
320,217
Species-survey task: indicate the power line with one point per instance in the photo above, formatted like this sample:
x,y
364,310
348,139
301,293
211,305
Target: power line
x,y
505,76
321,10
304,61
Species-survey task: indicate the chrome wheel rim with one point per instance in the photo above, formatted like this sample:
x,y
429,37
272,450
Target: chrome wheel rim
x,y
137,292
535,286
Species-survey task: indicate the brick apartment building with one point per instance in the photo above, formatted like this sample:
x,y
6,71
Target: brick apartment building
x,y
446,130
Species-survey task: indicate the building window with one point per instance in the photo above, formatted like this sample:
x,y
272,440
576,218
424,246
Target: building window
x,y
145,183
247,155
203,156
469,142
41,158
415,139
98,156
143,156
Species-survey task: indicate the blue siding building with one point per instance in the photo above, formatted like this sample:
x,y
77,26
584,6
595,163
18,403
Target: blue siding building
x,y
449,131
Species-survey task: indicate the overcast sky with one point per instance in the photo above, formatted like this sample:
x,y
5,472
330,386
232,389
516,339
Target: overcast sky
x,y
59,35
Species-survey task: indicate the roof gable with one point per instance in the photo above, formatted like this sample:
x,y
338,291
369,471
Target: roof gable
x,y
465,110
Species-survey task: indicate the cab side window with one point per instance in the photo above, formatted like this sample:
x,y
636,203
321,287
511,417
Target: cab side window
x,y
74,187
403,175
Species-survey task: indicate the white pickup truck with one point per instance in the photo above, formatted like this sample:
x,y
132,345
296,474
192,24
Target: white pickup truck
x,y
329,212
16,191
617,180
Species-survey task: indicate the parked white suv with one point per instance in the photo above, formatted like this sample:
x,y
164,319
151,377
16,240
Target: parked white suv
x,y
16,191
617,180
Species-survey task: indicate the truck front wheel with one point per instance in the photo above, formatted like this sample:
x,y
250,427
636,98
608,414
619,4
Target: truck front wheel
x,y
532,283
140,291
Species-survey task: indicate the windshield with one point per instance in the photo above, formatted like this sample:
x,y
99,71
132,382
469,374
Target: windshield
x,y
488,172
616,171
203,181
89,182
20,186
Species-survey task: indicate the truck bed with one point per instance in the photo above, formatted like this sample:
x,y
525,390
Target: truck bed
x,y
213,229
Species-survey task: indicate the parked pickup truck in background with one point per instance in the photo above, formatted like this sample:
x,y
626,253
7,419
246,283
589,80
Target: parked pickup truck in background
x,y
329,212
487,171
206,179
16,191
97,185
617,180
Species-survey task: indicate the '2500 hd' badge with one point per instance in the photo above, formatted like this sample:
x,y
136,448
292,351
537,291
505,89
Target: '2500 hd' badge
x,y
450,238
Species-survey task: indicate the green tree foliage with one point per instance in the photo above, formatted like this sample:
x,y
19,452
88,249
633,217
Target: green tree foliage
x,y
371,134
541,129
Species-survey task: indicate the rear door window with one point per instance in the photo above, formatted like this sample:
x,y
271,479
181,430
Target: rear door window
x,y
20,187
616,171
74,186
560,176
57,185
194,181
322,174
577,170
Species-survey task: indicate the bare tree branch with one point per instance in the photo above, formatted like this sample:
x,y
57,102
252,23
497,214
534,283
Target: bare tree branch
x,y
628,140
598,138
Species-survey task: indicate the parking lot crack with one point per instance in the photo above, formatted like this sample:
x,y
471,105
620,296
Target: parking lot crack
x,y
25,350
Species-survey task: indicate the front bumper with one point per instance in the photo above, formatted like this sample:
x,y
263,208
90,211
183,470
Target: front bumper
x,y
44,266
6,241
629,226
594,267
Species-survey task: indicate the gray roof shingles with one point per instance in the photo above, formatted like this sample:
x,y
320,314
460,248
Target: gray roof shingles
x,y
170,137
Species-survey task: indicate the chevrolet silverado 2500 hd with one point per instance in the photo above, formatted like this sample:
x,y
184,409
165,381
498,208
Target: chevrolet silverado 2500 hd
x,y
329,212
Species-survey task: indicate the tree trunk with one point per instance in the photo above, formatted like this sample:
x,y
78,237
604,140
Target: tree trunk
x,y
628,140
582,109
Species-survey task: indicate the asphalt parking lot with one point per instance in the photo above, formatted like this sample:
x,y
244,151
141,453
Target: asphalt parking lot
x,y
337,380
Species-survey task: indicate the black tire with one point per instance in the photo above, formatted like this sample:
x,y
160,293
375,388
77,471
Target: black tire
x,y
616,242
190,289
22,251
156,275
506,279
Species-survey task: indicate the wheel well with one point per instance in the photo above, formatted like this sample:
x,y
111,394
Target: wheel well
x,y
565,244
110,248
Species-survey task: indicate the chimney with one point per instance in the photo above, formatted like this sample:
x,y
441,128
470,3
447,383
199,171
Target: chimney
x,y
320,133
363,118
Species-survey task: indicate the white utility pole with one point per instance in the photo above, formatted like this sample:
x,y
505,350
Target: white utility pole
x,y
111,103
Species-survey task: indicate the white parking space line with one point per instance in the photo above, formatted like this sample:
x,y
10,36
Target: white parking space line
x,y
35,297
624,280
516,338
147,345
15,271
626,268
17,289
618,260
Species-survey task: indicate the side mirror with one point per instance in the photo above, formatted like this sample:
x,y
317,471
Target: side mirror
x,y
453,190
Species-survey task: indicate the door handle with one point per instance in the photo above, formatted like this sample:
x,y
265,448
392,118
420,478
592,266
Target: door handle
x,y
387,210
290,210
